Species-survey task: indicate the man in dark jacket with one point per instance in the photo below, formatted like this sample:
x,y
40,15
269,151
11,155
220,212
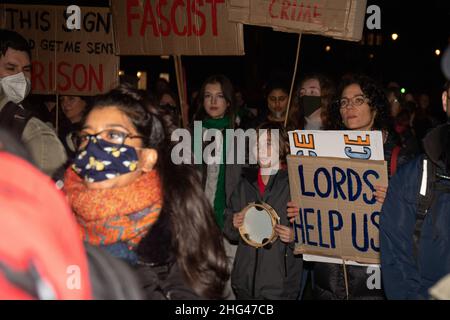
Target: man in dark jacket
x,y
408,273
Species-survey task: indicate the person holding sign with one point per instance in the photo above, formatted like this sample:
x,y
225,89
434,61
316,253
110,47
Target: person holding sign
x,y
270,271
363,106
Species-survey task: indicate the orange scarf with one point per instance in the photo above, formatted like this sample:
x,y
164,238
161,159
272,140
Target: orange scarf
x,y
109,216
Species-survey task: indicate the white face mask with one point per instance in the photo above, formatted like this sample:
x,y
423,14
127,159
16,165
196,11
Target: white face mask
x,y
15,87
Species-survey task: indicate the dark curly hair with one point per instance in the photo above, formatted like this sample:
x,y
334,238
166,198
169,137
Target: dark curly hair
x,y
377,101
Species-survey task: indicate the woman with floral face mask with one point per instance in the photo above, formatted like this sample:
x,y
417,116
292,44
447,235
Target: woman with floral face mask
x,y
129,197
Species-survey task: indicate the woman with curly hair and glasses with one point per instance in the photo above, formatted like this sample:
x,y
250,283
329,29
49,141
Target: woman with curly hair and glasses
x,y
360,105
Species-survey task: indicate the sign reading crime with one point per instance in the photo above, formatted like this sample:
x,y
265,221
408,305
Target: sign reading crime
x,y
175,27
340,19
73,62
339,215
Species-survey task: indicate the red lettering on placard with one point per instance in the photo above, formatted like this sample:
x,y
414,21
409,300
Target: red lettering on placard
x,y
131,16
76,74
97,77
149,18
316,14
201,15
189,17
51,75
164,32
37,75
195,13
62,88
271,10
284,8
214,14
84,78
176,4
295,11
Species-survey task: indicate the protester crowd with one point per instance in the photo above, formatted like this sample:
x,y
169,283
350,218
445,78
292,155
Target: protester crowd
x,y
139,226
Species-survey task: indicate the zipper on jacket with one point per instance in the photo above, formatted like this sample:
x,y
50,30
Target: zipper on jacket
x,y
254,273
285,261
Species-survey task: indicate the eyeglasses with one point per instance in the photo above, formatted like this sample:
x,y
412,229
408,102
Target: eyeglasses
x,y
355,101
109,135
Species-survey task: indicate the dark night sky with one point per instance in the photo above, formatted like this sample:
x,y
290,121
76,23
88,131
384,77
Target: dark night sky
x,y
410,60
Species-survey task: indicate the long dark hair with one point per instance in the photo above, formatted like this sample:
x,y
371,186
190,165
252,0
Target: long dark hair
x,y
228,93
193,234
377,102
296,120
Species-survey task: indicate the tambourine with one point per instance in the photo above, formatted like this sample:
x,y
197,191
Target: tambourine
x,y
258,229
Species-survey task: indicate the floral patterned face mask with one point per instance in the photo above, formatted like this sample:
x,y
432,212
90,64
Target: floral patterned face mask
x,y
102,160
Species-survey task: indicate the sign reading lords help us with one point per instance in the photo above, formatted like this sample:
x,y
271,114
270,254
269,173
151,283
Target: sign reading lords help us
x,y
332,177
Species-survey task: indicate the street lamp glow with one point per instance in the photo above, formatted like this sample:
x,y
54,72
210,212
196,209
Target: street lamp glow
x,y
139,74
394,36
438,52
327,48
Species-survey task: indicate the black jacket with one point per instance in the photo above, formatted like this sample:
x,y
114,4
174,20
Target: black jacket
x,y
406,276
273,273
158,271
329,279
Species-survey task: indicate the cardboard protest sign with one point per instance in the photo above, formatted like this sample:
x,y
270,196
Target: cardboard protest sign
x,y
340,19
364,145
175,27
339,216
73,62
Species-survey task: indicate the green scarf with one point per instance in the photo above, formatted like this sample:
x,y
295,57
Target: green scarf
x,y
219,197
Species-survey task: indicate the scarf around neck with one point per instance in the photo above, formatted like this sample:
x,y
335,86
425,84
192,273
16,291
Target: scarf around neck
x,y
219,196
222,123
110,216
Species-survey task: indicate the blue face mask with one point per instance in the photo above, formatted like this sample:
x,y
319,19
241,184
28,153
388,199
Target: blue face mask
x,y
102,160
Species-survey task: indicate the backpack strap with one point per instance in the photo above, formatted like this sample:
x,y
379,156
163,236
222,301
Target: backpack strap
x,y
424,200
394,159
14,118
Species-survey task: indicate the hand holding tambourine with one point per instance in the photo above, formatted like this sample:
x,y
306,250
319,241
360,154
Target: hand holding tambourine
x,y
257,224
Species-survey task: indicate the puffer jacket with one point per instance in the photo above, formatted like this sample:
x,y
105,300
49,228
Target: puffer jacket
x,y
405,275
273,273
329,281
